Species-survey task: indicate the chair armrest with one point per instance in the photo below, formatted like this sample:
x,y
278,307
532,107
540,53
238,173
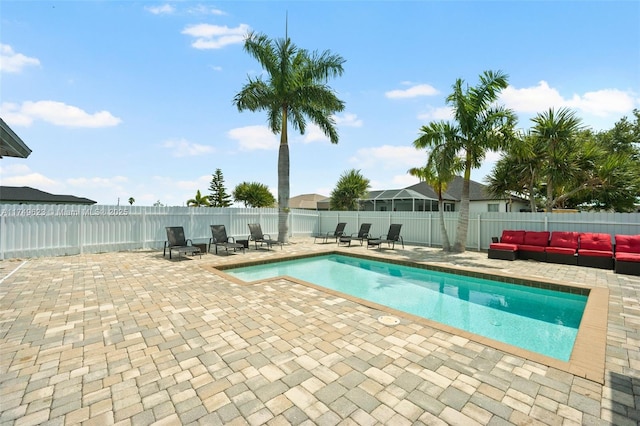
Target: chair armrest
x,y
189,242
231,240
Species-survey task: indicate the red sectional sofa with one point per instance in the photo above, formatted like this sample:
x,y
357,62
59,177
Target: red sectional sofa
x,y
627,254
534,245
507,247
595,250
563,248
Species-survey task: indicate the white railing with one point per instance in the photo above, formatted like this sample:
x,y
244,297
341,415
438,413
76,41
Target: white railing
x,y
56,230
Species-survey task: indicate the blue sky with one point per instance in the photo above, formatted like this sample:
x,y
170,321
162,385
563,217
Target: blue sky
x,y
122,99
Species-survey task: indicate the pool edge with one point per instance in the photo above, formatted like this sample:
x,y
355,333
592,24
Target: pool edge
x,y
589,351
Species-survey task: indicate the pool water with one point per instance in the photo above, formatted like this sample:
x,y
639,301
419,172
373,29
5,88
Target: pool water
x,y
538,320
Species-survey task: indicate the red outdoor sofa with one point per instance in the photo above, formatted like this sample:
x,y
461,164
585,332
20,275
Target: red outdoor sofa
x,y
570,248
627,254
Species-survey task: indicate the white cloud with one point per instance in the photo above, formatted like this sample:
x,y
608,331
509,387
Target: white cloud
x,y
314,134
184,148
412,92
604,102
56,113
203,10
215,36
402,181
12,62
165,9
600,103
34,180
97,182
252,138
437,114
348,120
388,157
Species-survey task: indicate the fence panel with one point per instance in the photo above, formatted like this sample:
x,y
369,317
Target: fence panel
x,y
52,230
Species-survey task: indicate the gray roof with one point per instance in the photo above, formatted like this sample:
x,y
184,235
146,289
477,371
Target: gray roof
x,y
477,191
398,194
10,144
25,194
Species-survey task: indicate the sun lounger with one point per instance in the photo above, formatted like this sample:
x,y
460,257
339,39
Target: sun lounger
x,y
361,235
335,234
392,237
258,237
219,238
176,241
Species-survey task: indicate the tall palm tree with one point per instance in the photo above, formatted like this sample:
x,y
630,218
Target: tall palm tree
x,y
442,167
556,131
479,126
294,91
198,200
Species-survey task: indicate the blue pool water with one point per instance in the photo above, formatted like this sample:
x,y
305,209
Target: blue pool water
x,y
539,320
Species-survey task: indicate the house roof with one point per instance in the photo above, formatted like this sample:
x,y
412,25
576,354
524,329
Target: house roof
x,y
477,191
25,194
10,144
306,201
398,194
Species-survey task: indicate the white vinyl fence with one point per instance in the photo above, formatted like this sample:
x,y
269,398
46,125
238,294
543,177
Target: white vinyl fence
x,y
28,230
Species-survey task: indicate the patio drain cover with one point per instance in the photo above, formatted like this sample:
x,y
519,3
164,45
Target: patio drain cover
x,y
388,320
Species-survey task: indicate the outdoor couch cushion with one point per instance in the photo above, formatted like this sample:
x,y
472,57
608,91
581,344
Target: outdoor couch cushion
x,y
627,244
595,245
512,237
595,253
560,250
503,246
535,241
563,239
595,242
628,257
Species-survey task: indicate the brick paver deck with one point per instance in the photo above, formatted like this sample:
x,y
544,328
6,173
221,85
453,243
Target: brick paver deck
x,y
133,339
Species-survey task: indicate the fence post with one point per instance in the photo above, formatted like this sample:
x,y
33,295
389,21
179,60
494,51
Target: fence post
x,y
3,236
143,234
479,222
81,233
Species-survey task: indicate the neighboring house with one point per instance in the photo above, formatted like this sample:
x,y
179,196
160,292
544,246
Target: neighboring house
x,y
308,202
10,144
422,197
27,195
407,199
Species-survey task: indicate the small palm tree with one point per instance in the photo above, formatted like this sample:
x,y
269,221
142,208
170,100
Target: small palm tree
x,y
295,90
199,200
132,200
254,194
351,188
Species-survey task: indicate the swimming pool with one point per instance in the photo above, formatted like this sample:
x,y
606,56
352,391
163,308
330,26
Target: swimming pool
x,y
536,319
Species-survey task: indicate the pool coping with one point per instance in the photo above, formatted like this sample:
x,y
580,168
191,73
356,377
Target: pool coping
x,y
587,358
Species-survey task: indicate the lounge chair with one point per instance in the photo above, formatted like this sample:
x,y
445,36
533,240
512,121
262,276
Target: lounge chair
x,y
219,238
258,237
335,234
362,235
176,241
391,238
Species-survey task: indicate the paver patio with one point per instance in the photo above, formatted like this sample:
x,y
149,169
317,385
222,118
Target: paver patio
x,y
134,338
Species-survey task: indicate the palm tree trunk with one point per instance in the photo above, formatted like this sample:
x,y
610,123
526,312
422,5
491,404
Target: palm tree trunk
x,y
283,184
463,217
446,246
